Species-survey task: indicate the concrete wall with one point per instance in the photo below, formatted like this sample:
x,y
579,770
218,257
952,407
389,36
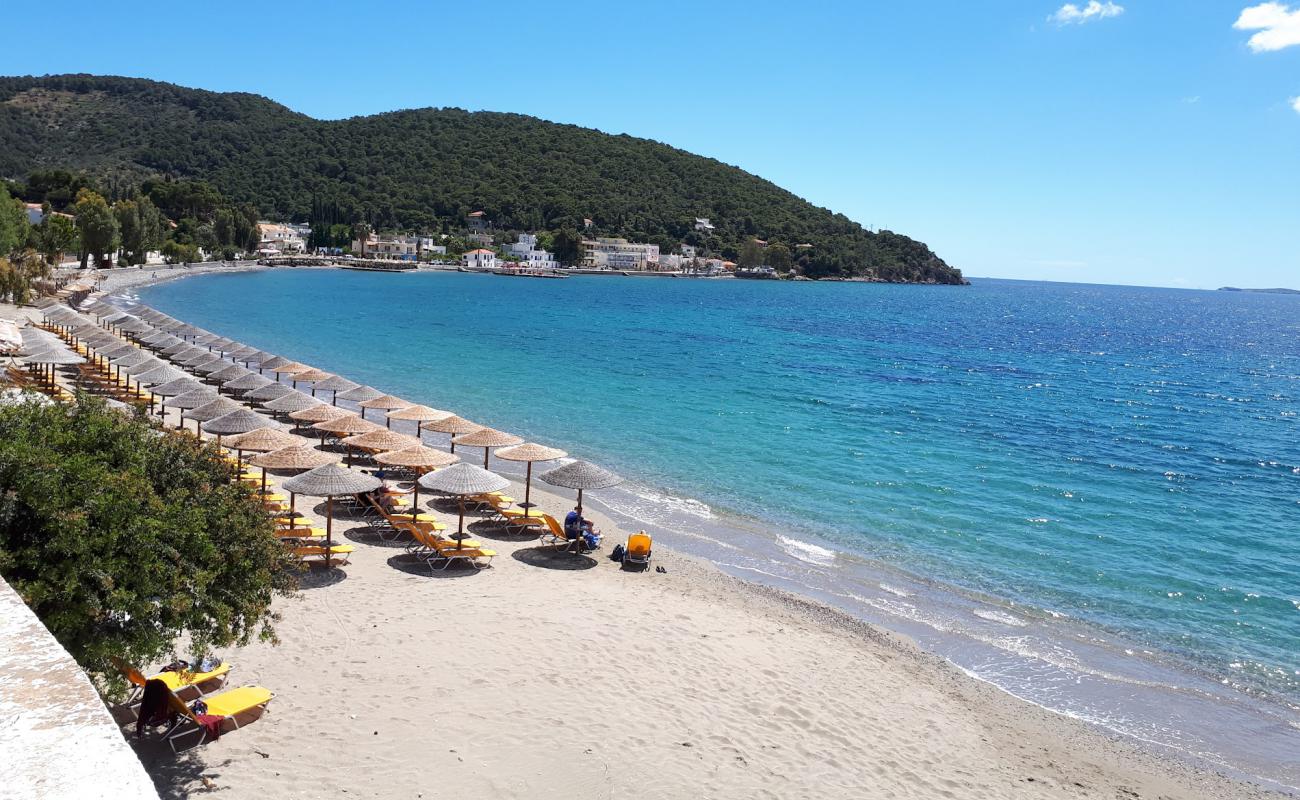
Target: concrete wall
x,y
57,740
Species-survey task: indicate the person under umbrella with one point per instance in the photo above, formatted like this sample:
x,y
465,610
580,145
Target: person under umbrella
x,y
487,438
528,453
331,481
463,480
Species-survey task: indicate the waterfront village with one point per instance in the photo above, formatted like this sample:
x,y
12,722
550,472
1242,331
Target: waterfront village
x,y
481,248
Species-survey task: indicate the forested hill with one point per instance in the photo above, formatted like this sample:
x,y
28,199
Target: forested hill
x,y
426,169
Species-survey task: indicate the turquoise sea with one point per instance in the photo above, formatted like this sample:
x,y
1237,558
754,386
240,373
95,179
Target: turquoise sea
x,y
1088,495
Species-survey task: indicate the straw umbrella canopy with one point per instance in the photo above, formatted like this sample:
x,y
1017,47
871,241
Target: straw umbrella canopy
x,y
181,385
248,382
160,374
244,354
193,399
416,458
141,367
529,452
294,457
378,441
214,364
261,358
385,402
190,354
453,425
228,373
211,410
241,420
329,482
289,368
581,475
347,426
334,384
179,346
269,392
487,438
359,394
319,413
311,375
293,401
52,358
419,414
135,356
462,480
270,362
261,440
135,326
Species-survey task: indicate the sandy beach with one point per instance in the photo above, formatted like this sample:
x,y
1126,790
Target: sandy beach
x,y
552,675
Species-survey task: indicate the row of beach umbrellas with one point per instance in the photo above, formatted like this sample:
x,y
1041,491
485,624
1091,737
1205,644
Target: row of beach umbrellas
x,y
228,364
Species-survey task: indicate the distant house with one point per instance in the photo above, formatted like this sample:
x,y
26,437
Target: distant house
x,y
703,225
476,221
687,251
586,223
526,253
280,238
603,253
481,259
399,248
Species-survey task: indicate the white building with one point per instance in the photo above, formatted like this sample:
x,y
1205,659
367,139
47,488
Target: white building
x,y
280,238
400,248
481,259
526,253
703,225
602,253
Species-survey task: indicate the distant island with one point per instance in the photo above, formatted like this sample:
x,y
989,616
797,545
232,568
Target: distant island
x,y
1260,291
427,172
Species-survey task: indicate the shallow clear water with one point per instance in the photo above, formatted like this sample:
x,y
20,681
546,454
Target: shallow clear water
x,y
1081,480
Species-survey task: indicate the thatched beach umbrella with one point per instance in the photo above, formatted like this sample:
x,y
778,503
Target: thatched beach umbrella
x,y
462,480
378,441
329,482
262,358
311,376
262,440
528,453
581,475
192,399
269,392
228,373
180,385
247,382
160,374
418,458
213,364
487,438
334,385
47,360
297,457
419,414
319,413
349,425
359,394
244,355
211,410
241,420
385,402
272,361
453,425
288,403
289,368
179,346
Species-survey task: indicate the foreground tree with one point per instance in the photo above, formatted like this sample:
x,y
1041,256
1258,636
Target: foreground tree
x,y
19,274
13,223
123,539
97,226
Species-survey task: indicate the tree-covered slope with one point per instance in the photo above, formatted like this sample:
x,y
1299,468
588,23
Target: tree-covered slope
x,y
427,168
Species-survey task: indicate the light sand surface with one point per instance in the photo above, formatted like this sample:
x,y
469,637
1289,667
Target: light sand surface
x,y
553,675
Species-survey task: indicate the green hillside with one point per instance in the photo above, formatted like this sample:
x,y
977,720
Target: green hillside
x,y
426,169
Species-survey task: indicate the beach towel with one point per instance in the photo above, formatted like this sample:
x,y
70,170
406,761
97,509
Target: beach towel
x,y
154,708
211,723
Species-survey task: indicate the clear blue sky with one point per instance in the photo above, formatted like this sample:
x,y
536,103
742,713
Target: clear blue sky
x,y
1153,145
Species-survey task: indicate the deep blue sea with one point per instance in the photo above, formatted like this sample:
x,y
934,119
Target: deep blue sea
x,y
1089,495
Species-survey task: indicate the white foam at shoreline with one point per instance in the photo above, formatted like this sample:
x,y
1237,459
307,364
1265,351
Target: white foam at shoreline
x,y
807,552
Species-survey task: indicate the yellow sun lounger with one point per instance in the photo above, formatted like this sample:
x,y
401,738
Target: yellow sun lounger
x,y
638,549
338,554
227,705
176,681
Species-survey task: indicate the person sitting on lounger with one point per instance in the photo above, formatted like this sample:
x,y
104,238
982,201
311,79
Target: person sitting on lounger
x,y
581,531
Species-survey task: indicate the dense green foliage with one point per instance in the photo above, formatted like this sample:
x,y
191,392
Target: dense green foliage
x,y
122,538
426,169
13,223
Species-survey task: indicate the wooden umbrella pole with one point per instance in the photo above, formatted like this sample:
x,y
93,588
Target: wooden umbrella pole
x,y
579,502
528,490
329,530
486,452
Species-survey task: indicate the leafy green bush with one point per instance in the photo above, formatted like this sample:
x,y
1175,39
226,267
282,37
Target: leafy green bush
x,y
123,538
